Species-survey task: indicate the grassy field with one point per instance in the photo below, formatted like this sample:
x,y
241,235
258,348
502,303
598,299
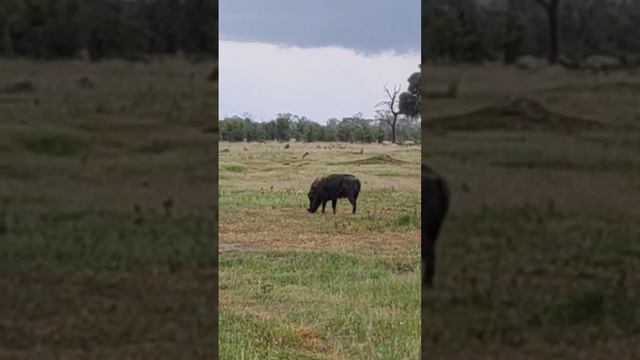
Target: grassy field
x,y
295,285
540,256
107,221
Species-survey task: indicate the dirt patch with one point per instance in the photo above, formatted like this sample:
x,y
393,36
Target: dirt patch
x,y
610,88
402,269
368,244
383,159
310,338
521,114
227,247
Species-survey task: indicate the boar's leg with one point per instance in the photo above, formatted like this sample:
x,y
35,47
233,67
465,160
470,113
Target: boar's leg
x,y
435,205
324,203
431,229
334,202
352,200
429,264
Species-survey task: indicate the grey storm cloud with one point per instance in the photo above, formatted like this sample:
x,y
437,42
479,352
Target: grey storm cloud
x,y
365,26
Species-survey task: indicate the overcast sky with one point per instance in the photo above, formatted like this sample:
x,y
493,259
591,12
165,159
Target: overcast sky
x,y
317,58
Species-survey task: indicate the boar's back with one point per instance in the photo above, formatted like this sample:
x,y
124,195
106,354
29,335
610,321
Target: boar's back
x,y
339,185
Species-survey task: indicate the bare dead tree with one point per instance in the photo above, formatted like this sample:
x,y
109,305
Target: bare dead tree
x,y
551,7
390,104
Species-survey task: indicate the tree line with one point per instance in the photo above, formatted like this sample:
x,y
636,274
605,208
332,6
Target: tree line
x,y
503,30
397,119
99,29
284,127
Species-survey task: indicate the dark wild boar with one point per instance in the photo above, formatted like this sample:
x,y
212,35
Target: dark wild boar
x,y
332,188
435,205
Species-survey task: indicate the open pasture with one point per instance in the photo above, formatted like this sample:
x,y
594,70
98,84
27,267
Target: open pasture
x,y
295,285
105,252
540,256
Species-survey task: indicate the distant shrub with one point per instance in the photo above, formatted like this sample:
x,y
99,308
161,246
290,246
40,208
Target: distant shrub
x,y
235,168
54,144
405,220
581,307
19,87
155,147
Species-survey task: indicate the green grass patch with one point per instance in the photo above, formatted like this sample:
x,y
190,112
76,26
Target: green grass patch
x,y
106,240
406,220
294,197
507,273
267,339
355,306
262,198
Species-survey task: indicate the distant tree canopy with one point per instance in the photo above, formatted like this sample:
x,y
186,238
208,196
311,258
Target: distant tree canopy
x,y
389,124
409,102
355,129
502,30
47,29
